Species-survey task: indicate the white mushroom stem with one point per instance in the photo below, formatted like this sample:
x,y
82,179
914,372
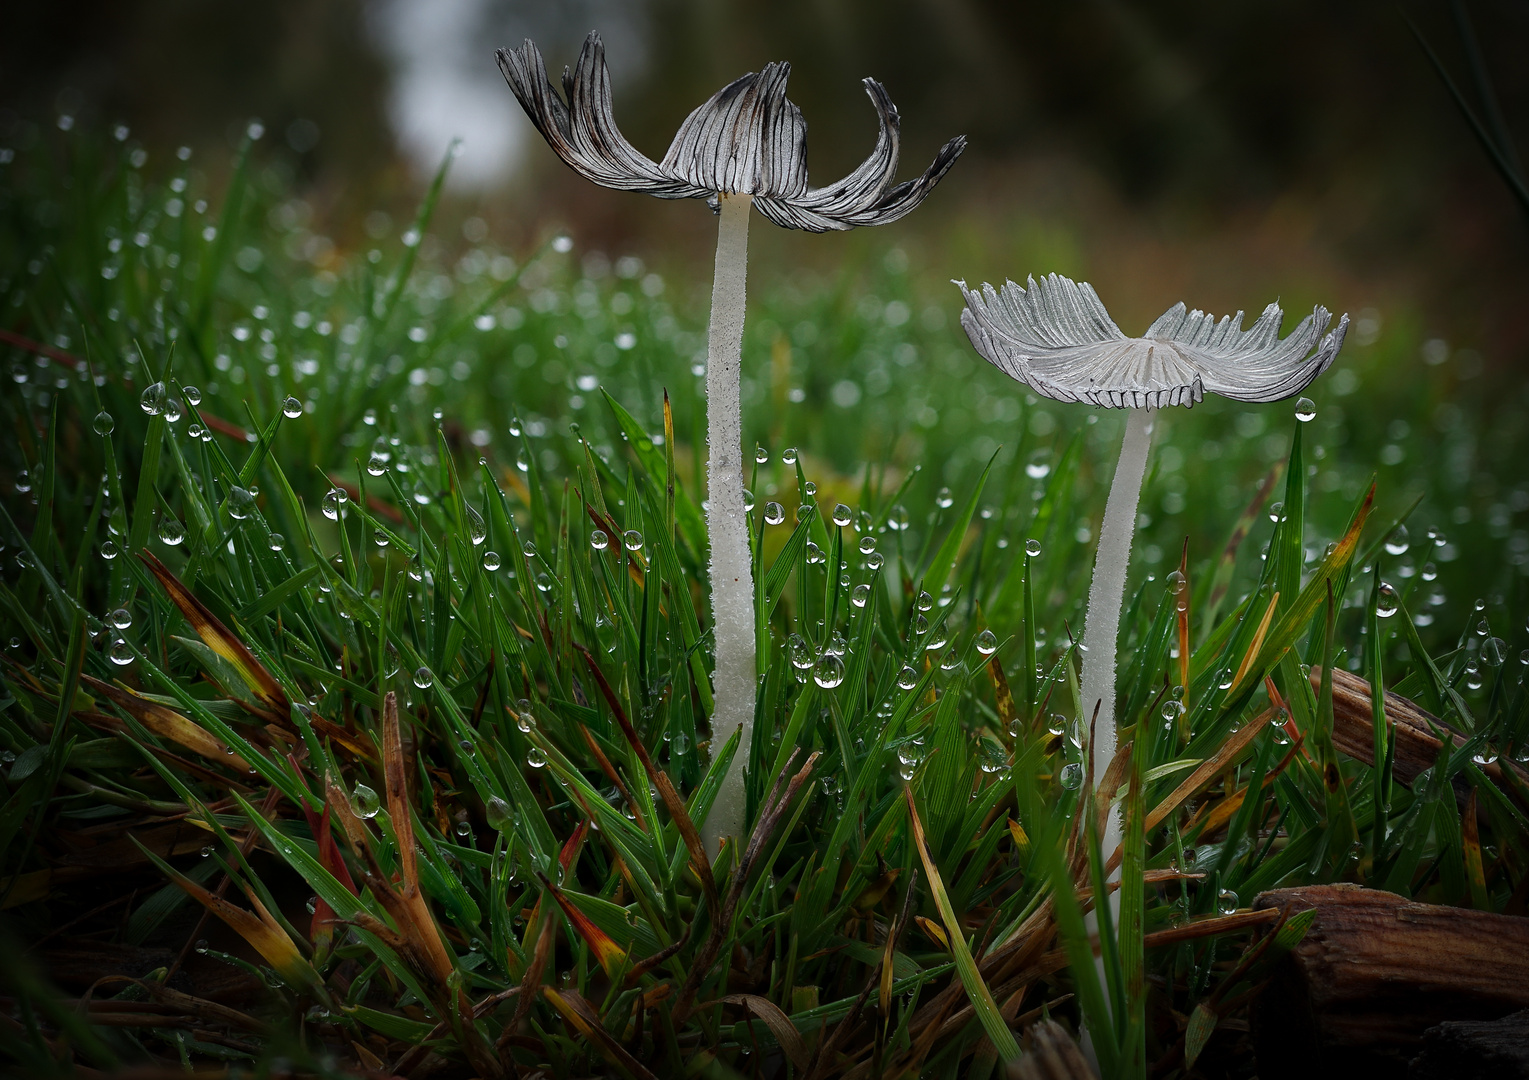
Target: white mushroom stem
x,y
732,575
1101,626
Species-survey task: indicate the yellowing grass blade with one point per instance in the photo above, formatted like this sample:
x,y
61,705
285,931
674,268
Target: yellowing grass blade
x,y
167,723
610,955
981,997
221,640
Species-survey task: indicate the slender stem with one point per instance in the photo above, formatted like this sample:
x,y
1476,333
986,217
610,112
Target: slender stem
x,y
732,575
1101,630
1101,626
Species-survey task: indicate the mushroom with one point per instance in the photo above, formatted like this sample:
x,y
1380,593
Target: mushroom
x,y
744,147
1056,337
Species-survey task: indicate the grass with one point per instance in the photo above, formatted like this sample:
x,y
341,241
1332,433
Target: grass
x,y
356,686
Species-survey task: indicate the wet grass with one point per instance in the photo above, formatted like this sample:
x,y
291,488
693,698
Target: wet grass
x,y
357,692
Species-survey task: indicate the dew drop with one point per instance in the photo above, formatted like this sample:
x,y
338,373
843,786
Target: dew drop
x,y
748,500
924,601
799,652
1494,650
828,672
476,530
291,408
491,561
1072,776
951,661
152,400
761,455
120,653
867,545
788,455
364,801
632,540
1386,600
1226,899
423,678
987,643
1305,410
943,498
861,596
1032,548
536,757
1397,543
122,618
907,678
171,532
843,515
103,423
598,540
774,514
1039,465
874,560
334,503
240,502
278,542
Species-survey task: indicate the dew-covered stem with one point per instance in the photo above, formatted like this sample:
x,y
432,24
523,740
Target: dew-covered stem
x,y
732,578
1101,626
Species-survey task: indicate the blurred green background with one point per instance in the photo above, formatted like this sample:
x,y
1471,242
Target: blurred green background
x,y
1223,154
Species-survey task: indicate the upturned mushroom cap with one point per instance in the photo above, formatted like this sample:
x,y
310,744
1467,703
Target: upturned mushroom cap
x,y
748,139
1056,337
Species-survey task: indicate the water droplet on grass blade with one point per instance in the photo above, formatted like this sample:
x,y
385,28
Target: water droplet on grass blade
x,y
1305,410
334,503
843,515
799,652
423,678
536,757
943,498
120,653
476,530
171,532
103,423
861,596
632,539
828,672
1226,901
364,801
761,455
598,540
152,400
1386,600
240,503
907,678
774,513
788,455
1397,543
1072,776
1033,548
491,561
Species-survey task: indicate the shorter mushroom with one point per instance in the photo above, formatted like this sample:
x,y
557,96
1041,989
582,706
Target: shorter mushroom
x,y
1056,337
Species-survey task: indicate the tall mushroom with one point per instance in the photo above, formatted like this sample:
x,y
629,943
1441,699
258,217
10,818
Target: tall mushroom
x,y
744,147
1055,337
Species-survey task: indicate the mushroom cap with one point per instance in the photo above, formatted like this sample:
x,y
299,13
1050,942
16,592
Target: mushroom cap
x,y
748,139
1056,337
